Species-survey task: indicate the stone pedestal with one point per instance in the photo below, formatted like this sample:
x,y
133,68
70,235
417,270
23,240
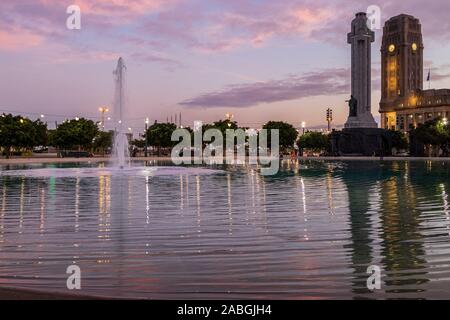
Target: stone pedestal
x,y
361,142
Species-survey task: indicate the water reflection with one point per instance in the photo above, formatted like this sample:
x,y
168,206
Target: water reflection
x,y
360,187
309,232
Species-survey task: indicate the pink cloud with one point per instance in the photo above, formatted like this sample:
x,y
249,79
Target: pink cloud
x,y
210,27
15,39
111,7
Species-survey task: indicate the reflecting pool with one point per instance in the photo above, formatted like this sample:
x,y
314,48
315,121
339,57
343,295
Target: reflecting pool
x,y
310,232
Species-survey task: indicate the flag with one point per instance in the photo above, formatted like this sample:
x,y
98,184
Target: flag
x,y
429,75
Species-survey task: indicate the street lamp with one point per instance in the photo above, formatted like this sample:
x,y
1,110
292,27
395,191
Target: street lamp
x,y
103,110
229,117
329,118
445,121
303,127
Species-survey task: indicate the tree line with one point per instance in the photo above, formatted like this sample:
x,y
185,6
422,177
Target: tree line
x,y
20,134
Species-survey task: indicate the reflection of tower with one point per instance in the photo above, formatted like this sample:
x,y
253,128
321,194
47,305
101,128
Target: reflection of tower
x,y
401,65
403,248
360,39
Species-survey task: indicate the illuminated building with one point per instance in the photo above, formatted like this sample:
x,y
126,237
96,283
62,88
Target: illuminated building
x,y
404,104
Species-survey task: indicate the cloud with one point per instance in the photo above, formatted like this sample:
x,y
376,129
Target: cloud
x,y
42,23
168,62
18,40
209,27
324,82
213,31
121,7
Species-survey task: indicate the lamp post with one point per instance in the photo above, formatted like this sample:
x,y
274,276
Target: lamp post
x,y
329,118
303,127
145,137
103,110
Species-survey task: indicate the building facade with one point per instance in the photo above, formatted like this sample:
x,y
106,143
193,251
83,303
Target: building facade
x,y
404,103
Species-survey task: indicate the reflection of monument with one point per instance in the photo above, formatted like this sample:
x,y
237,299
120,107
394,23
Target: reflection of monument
x,y
360,39
361,135
359,188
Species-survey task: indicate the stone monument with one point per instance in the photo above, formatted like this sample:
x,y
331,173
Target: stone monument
x,y
361,38
361,135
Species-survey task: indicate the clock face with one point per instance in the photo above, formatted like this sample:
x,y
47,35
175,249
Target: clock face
x,y
391,48
414,46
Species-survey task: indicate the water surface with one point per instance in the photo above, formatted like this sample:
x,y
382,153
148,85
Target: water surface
x,y
228,232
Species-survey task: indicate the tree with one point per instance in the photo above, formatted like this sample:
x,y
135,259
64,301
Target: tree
x,y
288,134
75,133
159,135
41,133
221,125
433,133
399,140
314,141
20,132
138,143
103,141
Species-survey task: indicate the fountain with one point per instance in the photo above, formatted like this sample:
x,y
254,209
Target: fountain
x,y
121,150
120,161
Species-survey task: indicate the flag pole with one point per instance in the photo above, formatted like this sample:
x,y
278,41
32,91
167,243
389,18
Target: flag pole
x,y
429,78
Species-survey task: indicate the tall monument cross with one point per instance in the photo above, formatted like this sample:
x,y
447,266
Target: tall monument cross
x,y
360,38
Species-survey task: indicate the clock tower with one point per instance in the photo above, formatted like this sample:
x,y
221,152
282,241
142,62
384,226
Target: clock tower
x,y
401,66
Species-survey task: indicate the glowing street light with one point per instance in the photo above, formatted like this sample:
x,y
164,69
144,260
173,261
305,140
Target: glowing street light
x,y
103,110
303,127
445,121
229,116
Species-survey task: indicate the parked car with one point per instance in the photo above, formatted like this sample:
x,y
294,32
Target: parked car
x,y
40,149
76,154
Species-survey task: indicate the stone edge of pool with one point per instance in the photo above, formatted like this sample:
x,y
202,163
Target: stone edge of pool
x,y
11,293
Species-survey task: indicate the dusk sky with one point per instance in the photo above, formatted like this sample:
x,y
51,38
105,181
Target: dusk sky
x,y
260,60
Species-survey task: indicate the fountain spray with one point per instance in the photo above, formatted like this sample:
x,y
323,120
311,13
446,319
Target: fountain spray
x,y
121,148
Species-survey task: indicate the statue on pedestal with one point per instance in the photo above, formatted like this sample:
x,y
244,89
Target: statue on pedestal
x,y
353,106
